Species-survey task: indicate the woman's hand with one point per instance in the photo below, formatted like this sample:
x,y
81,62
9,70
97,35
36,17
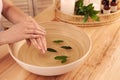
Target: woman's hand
x,y
39,42
23,30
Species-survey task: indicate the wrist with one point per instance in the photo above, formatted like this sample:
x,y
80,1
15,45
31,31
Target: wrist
x,y
25,19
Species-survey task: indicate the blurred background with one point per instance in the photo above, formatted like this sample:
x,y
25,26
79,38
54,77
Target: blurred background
x,y
31,7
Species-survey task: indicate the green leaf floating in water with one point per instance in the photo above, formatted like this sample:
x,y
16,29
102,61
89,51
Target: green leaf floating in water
x,y
66,47
62,58
51,50
58,41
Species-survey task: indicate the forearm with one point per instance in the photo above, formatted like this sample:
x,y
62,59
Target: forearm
x,y
12,13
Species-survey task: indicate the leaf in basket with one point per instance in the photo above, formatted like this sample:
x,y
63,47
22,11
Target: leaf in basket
x,y
78,5
85,18
86,11
95,12
90,7
94,17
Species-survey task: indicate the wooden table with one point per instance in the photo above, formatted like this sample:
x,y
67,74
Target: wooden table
x,y
103,63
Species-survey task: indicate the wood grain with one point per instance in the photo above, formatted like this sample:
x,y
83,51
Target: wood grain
x,y
102,63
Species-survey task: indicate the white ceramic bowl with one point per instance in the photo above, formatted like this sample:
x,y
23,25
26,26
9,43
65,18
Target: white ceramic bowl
x,y
63,29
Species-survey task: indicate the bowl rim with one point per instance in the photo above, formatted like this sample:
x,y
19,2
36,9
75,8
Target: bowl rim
x,y
60,66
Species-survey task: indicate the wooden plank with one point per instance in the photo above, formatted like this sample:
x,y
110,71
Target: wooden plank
x,y
40,5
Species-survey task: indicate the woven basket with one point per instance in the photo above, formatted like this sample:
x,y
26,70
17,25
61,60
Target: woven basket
x,y
77,20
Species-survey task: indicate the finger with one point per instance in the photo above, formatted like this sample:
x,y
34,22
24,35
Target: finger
x,y
44,42
32,36
34,42
34,31
33,26
40,44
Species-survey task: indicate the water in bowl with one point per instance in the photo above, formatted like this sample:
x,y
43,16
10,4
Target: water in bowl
x,y
33,56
